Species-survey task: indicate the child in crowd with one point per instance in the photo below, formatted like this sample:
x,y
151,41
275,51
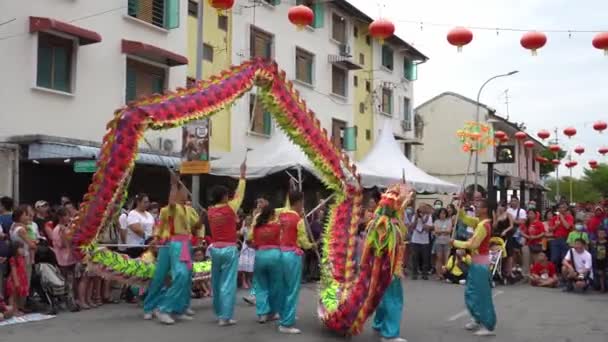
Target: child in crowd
x,y
17,287
579,232
456,272
201,268
247,257
601,258
543,273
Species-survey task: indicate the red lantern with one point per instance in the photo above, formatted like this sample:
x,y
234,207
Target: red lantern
x,y
459,37
571,164
381,29
570,132
500,135
520,135
600,126
579,150
301,16
603,150
529,144
600,41
533,41
555,162
555,148
543,134
221,5
505,139
593,164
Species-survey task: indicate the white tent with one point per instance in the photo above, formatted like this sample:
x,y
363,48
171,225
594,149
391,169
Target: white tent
x,y
275,155
385,165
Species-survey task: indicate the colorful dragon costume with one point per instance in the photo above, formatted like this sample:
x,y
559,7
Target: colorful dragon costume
x,y
347,298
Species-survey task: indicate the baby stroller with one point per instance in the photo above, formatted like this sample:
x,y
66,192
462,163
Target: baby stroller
x,y
47,280
498,252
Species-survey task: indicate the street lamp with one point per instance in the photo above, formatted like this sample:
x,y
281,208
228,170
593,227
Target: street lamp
x,y
477,121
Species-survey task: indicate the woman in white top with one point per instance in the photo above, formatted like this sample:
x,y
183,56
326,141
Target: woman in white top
x,y
140,225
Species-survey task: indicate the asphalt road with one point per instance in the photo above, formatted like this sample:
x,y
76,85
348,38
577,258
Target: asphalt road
x,y
433,312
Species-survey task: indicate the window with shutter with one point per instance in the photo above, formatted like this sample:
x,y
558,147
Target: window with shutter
x,y
171,14
222,22
54,62
338,81
410,70
387,101
387,57
261,120
337,132
192,8
161,13
143,80
208,53
350,139
304,66
260,43
338,28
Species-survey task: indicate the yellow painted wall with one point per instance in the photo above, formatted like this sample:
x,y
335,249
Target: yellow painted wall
x,y
364,121
222,42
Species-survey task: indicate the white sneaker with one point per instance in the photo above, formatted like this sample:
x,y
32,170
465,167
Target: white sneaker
x,y
462,282
484,332
472,325
148,316
185,317
190,312
249,300
164,318
275,317
395,339
263,319
448,281
286,330
226,322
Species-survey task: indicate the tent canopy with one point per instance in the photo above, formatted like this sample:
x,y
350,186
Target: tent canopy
x,y
275,155
385,165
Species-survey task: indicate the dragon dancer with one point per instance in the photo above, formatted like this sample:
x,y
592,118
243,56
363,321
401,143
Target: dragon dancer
x,y
178,223
223,221
478,292
294,239
389,220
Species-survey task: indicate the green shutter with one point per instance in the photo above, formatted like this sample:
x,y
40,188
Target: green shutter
x,y
276,2
267,123
171,14
269,50
319,11
413,72
45,65
309,70
61,74
350,139
133,7
158,84
131,84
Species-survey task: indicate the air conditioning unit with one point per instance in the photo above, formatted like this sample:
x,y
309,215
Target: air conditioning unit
x,y
166,145
406,125
345,50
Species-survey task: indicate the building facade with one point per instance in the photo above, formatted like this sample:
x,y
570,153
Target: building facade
x,y
447,113
72,64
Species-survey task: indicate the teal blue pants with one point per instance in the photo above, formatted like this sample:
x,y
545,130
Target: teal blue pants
x,y
175,299
224,267
387,320
478,296
291,269
267,281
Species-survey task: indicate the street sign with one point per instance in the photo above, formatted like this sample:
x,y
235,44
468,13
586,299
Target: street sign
x,y
85,166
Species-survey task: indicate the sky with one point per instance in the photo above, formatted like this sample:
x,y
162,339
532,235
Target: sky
x,y
565,85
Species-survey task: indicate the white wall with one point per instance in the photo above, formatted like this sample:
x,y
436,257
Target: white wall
x,y
273,20
99,80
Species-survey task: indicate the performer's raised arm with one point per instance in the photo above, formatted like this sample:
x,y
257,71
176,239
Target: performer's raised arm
x,y
474,242
468,220
239,194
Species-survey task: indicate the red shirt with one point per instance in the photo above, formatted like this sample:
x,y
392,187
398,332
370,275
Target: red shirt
x,y
594,223
538,269
561,231
289,220
222,221
534,229
267,235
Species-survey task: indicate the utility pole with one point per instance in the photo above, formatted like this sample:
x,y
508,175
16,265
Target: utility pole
x,y
557,166
196,179
507,103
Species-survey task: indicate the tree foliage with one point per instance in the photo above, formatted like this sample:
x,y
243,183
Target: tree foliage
x,y
598,179
546,169
582,191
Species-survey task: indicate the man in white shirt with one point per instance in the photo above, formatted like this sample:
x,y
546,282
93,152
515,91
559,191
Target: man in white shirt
x,y
519,215
577,267
420,227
